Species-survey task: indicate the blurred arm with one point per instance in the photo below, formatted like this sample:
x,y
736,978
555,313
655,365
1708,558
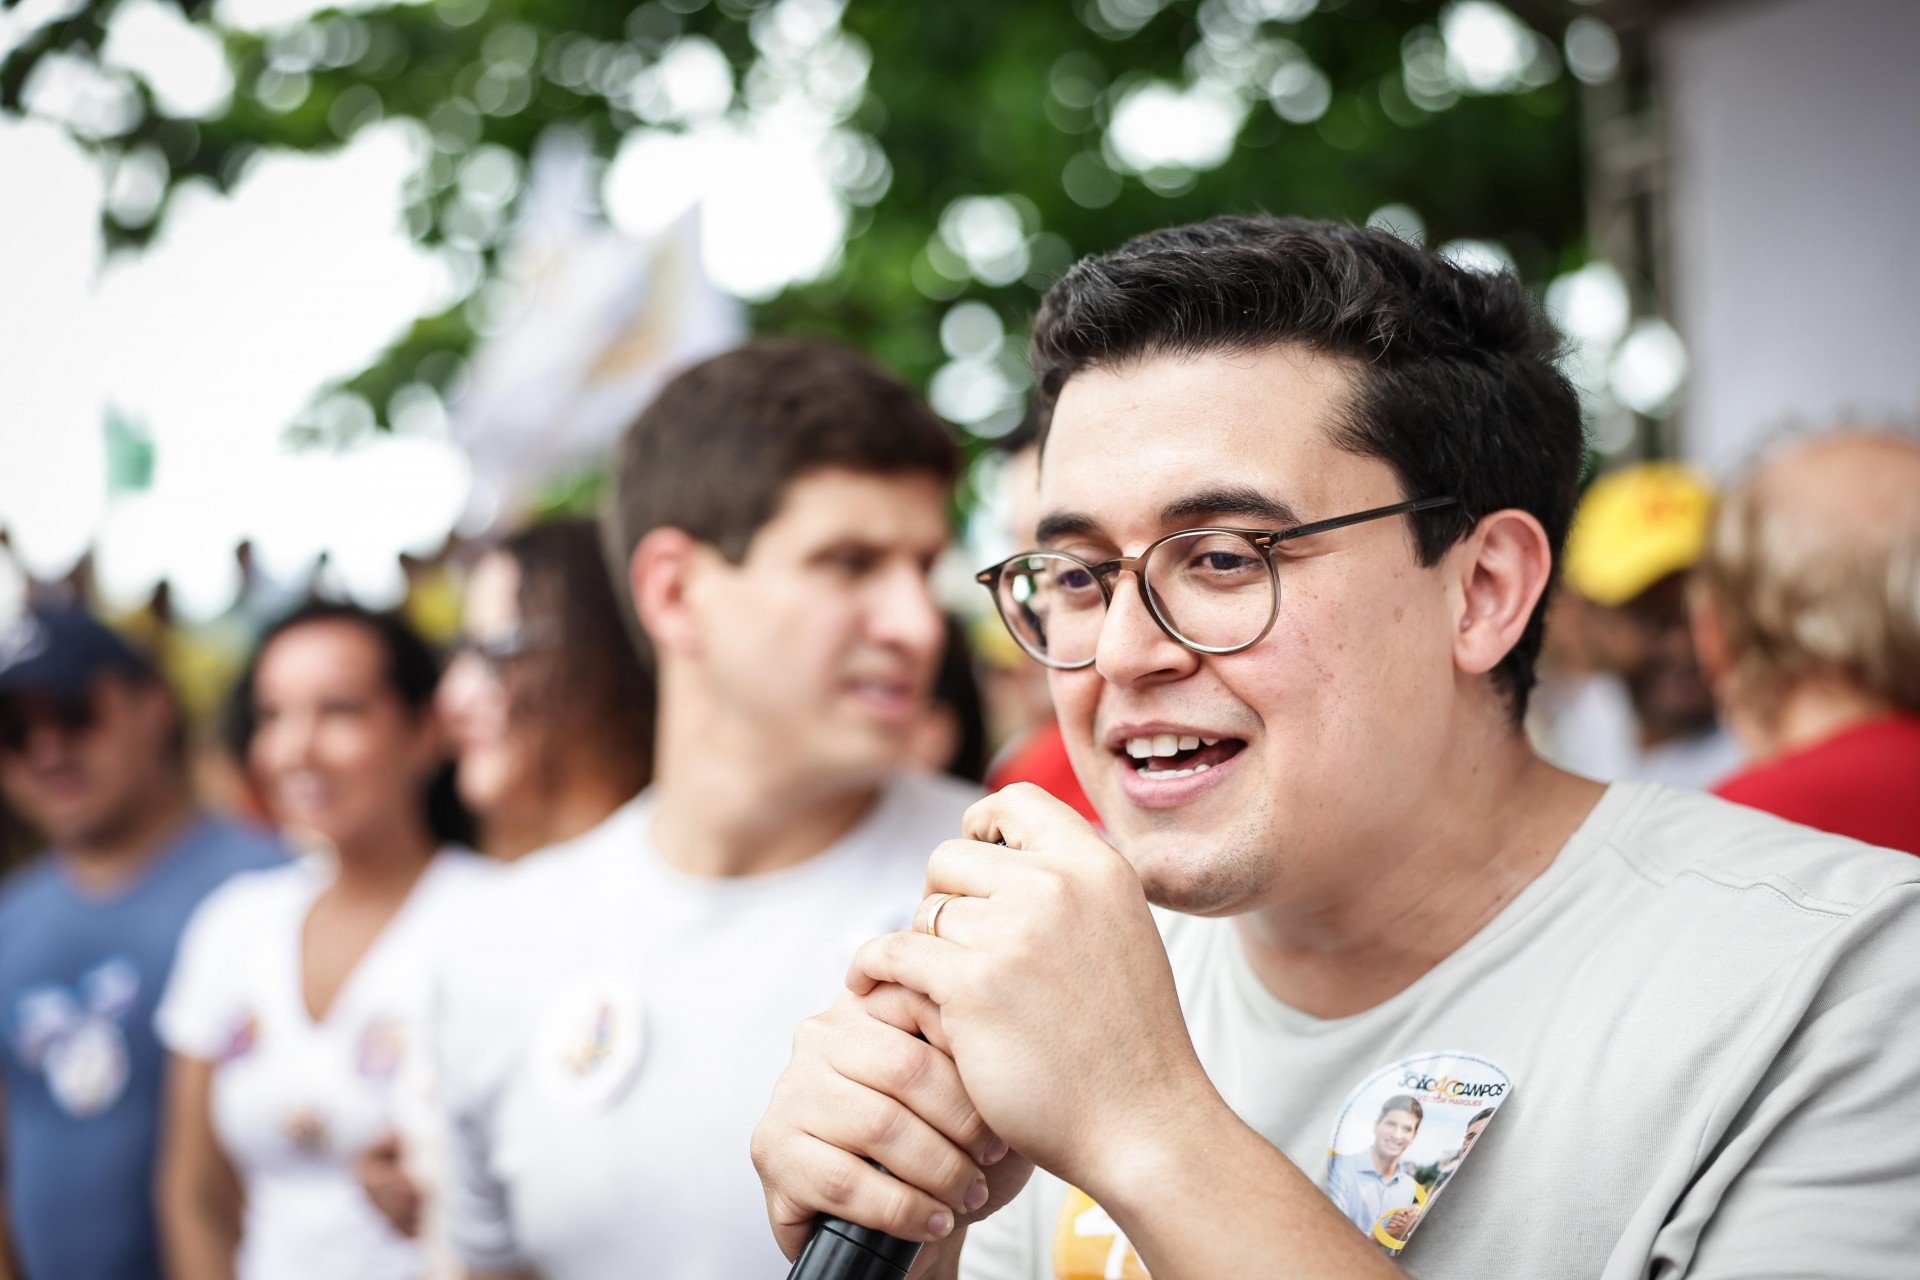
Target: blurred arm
x,y
199,1193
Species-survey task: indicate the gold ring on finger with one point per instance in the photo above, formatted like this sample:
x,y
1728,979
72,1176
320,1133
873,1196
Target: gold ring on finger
x,y
940,901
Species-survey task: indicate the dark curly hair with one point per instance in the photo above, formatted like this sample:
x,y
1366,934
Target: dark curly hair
x,y
1456,384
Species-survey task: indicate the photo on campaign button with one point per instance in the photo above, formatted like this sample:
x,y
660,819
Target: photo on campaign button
x,y
589,1046
1404,1133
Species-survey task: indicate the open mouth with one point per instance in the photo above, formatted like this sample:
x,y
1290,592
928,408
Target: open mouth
x,y
892,701
1165,756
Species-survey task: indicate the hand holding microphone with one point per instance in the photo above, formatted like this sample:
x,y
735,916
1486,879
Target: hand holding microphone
x,y
870,1125
842,1250
1038,977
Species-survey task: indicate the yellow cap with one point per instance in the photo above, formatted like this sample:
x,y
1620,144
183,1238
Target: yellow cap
x,y
1636,526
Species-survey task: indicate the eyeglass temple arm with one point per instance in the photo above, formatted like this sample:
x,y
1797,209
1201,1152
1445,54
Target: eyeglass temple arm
x,y
1361,517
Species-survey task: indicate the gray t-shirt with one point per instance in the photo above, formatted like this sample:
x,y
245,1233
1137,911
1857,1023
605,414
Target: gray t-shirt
x,y
1710,1022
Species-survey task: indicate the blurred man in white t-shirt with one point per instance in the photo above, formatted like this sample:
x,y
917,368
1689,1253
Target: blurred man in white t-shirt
x,y
611,1031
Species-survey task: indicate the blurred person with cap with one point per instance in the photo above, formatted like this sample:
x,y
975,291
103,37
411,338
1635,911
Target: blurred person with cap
x,y
613,1019
1808,619
1641,711
93,754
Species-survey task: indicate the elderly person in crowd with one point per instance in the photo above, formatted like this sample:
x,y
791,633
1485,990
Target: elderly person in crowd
x,y
1808,622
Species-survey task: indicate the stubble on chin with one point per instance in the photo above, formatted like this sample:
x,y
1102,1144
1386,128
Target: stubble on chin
x,y
1197,876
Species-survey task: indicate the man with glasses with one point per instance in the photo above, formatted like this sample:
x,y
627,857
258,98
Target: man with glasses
x,y
1302,492
92,753
611,1032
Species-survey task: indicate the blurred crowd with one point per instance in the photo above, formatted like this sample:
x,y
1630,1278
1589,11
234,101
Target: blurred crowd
x,y
383,1021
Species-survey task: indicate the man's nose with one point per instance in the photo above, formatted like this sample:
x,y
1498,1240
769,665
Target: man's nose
x,y
906,615
1133,647
291,739
47,742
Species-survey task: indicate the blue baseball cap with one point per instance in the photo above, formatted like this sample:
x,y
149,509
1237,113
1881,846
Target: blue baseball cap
x,y
61,651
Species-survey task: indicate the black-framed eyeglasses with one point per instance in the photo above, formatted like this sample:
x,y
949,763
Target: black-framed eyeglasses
x,y
1213,590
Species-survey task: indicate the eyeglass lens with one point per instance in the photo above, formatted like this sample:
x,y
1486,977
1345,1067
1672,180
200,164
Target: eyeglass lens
x,y
1211,588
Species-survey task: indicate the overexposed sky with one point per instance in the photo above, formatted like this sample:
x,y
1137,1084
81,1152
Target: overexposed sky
x,y
210,343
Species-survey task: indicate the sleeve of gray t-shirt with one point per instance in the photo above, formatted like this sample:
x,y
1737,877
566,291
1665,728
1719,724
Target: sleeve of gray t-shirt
x,y
1810,1164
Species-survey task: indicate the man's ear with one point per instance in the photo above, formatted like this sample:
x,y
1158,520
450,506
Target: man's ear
x,y
1505,565
662,576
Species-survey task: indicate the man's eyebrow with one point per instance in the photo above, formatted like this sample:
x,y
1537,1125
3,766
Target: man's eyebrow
x,y
1235,503
1238,503
1066,524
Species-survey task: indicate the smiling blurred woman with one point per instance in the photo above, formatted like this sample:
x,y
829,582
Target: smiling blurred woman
x,y
299,991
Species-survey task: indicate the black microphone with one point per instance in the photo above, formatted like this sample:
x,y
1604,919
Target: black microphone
x,y
841,1251
838,1250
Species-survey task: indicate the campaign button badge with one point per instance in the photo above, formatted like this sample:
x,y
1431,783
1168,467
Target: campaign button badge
x,y
590,1045
1402,1136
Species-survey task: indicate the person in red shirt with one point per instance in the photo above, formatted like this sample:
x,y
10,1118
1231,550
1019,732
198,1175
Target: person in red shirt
x,y
1808,624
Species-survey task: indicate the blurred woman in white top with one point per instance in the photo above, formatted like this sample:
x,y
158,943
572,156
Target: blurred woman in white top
x,y
300,992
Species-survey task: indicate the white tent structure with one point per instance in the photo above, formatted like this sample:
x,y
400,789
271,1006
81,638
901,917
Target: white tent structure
x,y
1756,174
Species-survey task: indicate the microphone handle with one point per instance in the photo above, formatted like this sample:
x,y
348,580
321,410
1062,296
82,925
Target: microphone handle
x,y
841,1251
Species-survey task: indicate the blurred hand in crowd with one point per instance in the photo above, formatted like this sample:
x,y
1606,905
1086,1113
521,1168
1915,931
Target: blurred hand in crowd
x,y
382,1172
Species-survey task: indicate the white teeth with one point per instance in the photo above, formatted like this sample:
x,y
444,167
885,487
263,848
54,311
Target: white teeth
x,y
1174,773
1166,744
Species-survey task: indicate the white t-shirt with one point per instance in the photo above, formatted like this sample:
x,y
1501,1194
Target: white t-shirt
x,y
1709,1022
296,1101
609,1042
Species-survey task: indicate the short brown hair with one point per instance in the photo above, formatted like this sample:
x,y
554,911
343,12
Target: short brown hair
x,y
714,453
1403,1102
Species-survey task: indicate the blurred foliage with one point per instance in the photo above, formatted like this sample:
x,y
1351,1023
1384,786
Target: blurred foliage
x,y
995,97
